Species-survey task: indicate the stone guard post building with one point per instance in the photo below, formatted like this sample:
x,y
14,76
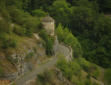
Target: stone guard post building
x,y
49,25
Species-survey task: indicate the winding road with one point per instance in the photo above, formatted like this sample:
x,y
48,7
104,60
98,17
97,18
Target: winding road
x,y
58,48
31,75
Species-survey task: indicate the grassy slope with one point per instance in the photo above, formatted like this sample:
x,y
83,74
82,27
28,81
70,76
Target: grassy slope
x,y
55,73
29,42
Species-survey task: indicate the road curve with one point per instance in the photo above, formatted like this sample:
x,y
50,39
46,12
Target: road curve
x,y
31,75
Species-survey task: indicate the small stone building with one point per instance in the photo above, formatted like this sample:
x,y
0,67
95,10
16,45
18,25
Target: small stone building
x,y
48,24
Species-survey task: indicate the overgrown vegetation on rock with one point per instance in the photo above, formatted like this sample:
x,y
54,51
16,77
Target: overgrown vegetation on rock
x,y
49,42
77,69
85,26
64,35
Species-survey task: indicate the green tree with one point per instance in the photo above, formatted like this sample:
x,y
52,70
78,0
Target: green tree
x,y
105,5
60,10
25,20
49,42
82,19
64,35
4,26
19,30
74,69
39,13
17,3
43,4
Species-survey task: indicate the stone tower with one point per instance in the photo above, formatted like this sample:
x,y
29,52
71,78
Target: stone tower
x,y
48,24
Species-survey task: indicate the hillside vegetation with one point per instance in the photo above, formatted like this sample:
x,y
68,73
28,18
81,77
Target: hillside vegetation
x,y
81,24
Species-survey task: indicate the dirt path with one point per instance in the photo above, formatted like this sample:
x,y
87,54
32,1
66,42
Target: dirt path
x,y
33,74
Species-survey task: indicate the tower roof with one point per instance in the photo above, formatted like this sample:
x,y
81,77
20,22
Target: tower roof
x,y
47,19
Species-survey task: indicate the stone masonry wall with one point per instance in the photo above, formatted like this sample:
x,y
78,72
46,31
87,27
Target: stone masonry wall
x,y
49,27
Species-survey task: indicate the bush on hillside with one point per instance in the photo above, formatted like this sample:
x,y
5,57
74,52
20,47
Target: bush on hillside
x,y
25,20
95,72
4,26
64,35
13,84
69,69
107,76
39,13
62,64
4,13
46,77
8,42
92,69
60,10
19,30
49,42
87,82
76,80
84,64
12,43
29,55
43,34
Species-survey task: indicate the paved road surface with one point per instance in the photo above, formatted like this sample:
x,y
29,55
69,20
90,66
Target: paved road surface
x,y
33,74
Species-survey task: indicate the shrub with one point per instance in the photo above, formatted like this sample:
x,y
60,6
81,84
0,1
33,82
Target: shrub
x,y
69,68
107,76
46,77
88,82
29,55
24,19
13,84
94,71
84,64
76,81
16,15
39,13
8,42
5,44
49,42
13,43
64,35
19,30
4,13
4,26
75,67
12,61
43,35
49,46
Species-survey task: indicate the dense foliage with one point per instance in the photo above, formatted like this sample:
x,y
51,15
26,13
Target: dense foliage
x,y
74,74
108,76
49,42
64,66
64,35
105,5
84,26
85,19
88,25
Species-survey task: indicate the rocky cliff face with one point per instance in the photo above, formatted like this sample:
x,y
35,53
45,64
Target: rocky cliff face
x,y
30,53
62,49
24,58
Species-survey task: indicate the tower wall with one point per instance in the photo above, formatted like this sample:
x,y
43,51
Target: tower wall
x,y
49,27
